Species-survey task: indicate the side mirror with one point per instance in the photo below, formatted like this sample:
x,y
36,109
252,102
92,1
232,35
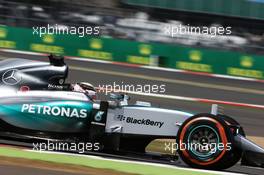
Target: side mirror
x,y
116,96
122,98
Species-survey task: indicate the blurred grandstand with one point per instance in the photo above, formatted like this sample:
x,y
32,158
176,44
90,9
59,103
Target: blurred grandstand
x,y
143,20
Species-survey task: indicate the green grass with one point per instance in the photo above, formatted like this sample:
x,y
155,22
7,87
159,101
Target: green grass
x,y
95,163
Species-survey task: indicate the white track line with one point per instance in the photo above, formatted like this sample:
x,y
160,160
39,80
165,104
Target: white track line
x,y
139,162
139,66
169,80
174,97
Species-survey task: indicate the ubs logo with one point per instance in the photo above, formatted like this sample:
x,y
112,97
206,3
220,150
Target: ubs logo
x,y
11,77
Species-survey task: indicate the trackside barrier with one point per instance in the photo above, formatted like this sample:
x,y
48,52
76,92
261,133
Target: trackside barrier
x,y
207,61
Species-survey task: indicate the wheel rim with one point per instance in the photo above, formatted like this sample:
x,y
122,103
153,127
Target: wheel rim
x,y
203,141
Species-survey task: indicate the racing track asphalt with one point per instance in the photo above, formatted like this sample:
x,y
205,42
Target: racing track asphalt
x,y
176,84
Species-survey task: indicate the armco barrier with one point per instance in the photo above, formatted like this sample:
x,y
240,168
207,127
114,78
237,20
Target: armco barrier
x,y
172,56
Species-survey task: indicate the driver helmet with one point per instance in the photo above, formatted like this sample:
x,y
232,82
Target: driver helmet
x,y
86,88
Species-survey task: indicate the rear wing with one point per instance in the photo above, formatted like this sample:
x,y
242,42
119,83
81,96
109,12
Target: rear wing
x,y
56,60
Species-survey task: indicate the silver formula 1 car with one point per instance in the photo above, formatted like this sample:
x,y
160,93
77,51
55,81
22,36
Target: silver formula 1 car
x,y
207,140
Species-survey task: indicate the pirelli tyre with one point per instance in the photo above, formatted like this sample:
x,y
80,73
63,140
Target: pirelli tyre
x,y
207,141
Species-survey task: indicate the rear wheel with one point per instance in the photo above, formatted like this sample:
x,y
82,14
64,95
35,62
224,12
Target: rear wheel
x,y
206,141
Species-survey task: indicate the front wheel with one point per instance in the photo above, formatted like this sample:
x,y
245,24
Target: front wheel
x,y
206,141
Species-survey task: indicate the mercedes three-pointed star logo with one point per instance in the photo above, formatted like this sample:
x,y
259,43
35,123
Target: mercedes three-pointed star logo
x,y
11,77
